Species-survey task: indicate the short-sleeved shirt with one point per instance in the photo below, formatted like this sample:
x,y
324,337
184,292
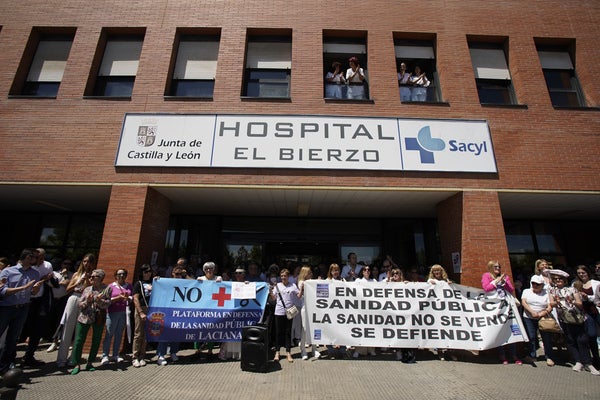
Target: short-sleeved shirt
x,y
17,276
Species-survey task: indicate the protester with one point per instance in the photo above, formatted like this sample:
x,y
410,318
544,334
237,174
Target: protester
x,y
305,274
536,304
334,274
567,300
141,300
364,276
497,283
283,294
92,313
118,316
80,280
172,347
19,282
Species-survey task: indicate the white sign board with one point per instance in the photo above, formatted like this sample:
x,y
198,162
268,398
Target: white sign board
x,y
319,142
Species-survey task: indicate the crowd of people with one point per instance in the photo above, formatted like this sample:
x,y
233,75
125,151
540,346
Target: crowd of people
x,y
63,302
351,83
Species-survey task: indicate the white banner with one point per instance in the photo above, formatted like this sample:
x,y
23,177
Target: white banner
x,y
408,315
319,142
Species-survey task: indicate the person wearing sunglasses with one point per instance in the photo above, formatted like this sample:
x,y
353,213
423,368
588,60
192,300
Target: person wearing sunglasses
x,y
117,317
92,314
536,304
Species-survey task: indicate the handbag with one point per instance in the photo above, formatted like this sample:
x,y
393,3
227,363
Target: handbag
x,y
549,324
571,316
290,312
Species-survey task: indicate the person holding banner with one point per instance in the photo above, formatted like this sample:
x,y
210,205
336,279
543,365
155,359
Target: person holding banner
x,y
407,356
173,347
334,274
536,304
283,294
117,317
364,276
305,274
437,274
497,283
141,300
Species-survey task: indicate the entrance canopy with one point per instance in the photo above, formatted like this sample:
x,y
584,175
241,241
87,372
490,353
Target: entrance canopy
x,y
298,201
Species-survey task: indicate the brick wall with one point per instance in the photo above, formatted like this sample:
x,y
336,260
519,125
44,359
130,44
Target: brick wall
x,y
537,148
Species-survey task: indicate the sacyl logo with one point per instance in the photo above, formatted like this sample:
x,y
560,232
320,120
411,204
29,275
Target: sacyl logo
x,y
425,144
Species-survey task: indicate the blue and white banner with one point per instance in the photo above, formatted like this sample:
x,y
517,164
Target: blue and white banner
x,y
307,141
409,315
186,310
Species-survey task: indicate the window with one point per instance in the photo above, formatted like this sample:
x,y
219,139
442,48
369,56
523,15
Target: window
x,y
195,66
561,80
118,68
343,79
43,64
494,84
416,67
268,67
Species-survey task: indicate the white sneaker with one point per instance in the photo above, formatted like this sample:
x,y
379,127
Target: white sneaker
x,y
317,354
136,363
355,354
118,359
305,357
104,361
174,357
592,369
142,363
578,367
161,361
52,347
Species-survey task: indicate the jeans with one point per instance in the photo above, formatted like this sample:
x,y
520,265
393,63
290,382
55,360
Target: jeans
x,y
12,320
161,351
115,324
531,327
577,342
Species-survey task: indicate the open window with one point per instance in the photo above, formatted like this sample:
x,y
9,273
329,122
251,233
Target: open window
x,y
344,79
195,66
43,63
115,64
268,66
559,71
492,76
416,68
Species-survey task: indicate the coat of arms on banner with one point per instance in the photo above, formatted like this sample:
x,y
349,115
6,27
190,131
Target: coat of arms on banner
x,y
146,135
156,323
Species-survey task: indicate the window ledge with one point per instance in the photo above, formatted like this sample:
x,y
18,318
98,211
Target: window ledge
x,y
346,101
499,105
429,103
581,108
188,98
113,98
27,96
275,99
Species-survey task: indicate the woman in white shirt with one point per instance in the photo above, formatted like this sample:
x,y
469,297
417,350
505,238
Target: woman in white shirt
x,y
536,304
